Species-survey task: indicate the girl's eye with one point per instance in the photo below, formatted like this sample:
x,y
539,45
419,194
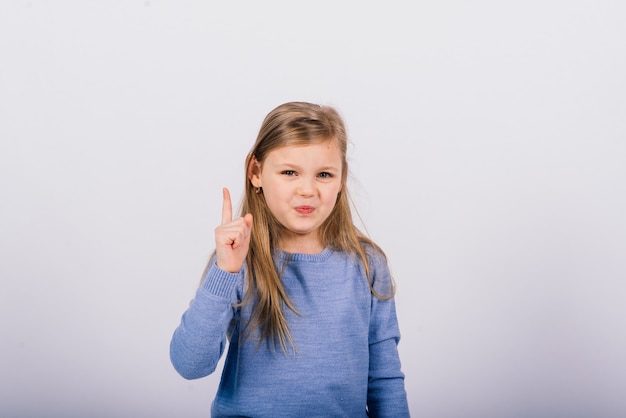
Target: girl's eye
x,y
325,175
289,173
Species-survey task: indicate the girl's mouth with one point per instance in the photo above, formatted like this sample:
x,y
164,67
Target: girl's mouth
x,y
304,210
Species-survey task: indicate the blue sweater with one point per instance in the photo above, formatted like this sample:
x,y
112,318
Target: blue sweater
x,y
346,357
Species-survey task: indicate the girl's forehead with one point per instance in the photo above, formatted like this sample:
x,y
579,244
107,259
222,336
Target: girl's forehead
x,y
325,147
323,142
323,152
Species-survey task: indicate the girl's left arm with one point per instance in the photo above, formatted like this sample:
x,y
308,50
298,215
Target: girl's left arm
x,y
386,395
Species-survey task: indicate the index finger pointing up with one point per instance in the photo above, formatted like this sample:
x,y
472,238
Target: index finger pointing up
x,y
227,207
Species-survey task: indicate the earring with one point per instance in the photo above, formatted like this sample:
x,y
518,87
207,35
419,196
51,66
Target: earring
x,y
258,190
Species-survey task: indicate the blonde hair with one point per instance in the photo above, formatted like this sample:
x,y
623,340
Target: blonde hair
x,y
293,123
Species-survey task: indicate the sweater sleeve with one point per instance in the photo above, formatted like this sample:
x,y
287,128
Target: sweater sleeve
x,y
386,395
199,340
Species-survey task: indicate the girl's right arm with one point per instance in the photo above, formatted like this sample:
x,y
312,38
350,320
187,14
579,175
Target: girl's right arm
x,y
200,338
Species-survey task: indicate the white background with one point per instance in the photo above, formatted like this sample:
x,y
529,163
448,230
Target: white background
x,y
488,159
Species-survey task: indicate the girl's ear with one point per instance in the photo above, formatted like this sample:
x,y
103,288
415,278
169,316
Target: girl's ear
x,y
254,172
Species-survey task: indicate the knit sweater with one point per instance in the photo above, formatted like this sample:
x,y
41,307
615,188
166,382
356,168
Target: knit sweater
x,y
345,359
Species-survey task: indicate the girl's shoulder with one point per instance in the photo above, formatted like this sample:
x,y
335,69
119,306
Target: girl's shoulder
x,y
380,277
374,253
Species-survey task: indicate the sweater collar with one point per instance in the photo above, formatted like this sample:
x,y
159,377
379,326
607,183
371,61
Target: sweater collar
x,y
319,257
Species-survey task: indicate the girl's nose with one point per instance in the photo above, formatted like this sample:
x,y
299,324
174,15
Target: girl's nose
x,y
306,187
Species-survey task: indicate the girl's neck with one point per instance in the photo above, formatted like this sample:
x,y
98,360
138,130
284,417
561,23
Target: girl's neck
x,y
301,244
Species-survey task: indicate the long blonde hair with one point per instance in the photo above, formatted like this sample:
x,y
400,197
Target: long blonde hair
x,y
293,123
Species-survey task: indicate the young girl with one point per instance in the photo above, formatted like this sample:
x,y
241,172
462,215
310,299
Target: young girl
x,y
304,299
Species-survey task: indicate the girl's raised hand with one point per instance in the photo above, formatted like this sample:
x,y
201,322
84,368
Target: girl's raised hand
x,y
232,238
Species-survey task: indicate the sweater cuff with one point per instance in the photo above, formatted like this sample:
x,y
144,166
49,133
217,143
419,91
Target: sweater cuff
x,y
221,283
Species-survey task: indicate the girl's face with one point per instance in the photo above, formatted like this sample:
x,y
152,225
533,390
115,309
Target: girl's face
x,y
300,185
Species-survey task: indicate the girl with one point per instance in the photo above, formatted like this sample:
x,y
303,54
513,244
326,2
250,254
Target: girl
x,y
303,297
